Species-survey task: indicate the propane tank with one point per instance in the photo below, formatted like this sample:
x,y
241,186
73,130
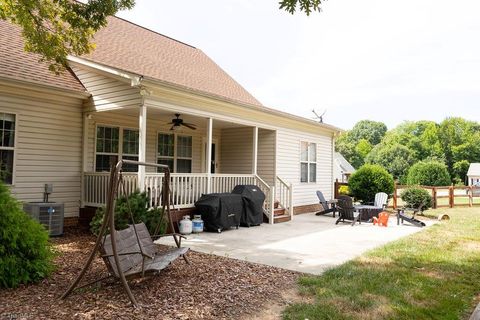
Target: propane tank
x,y
197,224
185,225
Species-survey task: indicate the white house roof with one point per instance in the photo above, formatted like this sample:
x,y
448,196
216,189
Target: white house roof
x,y
345,166
474,170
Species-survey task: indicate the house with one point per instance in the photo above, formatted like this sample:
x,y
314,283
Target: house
x,y
342,168
473,174
119,102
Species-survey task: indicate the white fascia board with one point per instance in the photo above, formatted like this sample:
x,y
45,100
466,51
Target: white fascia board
x,y
135,79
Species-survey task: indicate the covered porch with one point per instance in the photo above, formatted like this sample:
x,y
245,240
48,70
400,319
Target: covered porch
x,y
212,158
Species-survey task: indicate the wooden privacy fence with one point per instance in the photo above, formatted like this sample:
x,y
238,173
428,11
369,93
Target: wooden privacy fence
x,y
442,196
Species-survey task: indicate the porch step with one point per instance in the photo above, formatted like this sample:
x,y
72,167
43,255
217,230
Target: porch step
x,y
278,211
281,218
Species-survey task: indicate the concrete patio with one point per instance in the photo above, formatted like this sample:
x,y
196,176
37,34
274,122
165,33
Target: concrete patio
x,y
307,244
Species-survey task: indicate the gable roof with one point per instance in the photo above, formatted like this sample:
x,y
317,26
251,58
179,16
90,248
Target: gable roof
x,y
474,170
132,48
345,166
17,64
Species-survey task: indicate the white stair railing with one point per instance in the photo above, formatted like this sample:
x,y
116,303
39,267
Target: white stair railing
x,y
269,197
284,195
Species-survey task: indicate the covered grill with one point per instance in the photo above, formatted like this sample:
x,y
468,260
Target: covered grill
x,y
253,199
220,211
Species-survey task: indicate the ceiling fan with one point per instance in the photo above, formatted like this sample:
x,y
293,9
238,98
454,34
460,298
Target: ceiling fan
x,y
177,123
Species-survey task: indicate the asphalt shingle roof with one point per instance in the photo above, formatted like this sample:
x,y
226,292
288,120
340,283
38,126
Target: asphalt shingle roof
x,y
17,64
129,47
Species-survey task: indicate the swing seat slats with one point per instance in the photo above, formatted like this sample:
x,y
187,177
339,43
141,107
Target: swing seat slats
x,y
131,260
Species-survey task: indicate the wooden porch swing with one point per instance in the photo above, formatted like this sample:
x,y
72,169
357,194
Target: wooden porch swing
x,y
131,252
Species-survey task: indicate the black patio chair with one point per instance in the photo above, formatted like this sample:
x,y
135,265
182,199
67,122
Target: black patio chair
x,y
326,206
346,210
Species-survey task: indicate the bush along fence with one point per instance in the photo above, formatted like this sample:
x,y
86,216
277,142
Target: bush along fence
x,y
442,196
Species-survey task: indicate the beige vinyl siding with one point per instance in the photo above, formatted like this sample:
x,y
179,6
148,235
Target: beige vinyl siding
x,y
48,146
153,128
107,92
237,150
266,155
288,165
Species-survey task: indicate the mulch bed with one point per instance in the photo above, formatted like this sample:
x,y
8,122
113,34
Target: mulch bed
x,y
211,287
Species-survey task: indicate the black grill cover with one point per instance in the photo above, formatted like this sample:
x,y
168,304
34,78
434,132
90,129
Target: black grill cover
x,y
253,199
220,210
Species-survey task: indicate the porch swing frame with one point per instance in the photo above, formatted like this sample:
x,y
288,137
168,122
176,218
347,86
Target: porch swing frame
x,y
115,269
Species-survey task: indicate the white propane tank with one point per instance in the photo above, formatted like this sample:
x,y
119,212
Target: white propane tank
x,y
197,224
185,225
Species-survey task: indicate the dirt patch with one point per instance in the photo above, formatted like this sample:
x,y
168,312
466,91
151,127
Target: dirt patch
x,y
211,287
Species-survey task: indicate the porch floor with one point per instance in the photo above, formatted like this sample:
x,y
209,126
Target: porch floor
x,y
307,244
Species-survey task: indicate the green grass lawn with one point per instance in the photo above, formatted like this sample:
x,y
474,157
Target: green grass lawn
x,y
434,274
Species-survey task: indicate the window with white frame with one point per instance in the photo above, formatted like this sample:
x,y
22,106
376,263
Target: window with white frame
x,y
175,151
7,147
308,162
114,143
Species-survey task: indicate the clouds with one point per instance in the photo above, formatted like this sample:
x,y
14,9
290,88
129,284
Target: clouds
x,y
379,59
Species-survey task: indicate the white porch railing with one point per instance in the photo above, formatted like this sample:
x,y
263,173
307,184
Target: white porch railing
x,y
284,195
186,188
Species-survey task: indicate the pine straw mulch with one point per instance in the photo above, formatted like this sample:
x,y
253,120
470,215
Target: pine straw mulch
x,y
211,287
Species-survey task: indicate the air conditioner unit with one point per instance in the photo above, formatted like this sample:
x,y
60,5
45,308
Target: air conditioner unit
x,y
50,214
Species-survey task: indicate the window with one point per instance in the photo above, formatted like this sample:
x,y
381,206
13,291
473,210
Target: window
x,y
114,143
175,151
7,146
308,162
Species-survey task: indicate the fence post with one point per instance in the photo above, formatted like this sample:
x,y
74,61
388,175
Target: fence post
x,y
336,189
451,192
470,197
434,197
395,195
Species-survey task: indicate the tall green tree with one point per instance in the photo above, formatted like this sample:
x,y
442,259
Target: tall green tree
x,y
396,158
307,6
460,140
58,28
355,144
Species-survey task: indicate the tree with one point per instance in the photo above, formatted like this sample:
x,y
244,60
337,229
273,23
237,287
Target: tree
x,y
396,158
57,28
355,144
428,173
369,180
307,6
460,140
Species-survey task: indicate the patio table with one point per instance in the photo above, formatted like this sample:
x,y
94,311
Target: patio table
x,y
368,211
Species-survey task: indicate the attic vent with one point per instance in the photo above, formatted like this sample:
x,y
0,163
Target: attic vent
x,y
50,214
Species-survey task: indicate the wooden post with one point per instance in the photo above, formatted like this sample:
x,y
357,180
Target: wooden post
x,y
395,195
335,189
470,196
434,198
451,195
208,163
255,150
142,145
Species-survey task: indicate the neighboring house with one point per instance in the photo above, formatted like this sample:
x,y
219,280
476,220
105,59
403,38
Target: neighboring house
x,y
473,174
342,169
118,102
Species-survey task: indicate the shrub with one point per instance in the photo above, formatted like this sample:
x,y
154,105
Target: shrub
x,y
344,190
25,252
416,196
369,180
428,173
139,204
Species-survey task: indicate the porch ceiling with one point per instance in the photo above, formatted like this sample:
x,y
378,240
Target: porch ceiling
x,y
166,116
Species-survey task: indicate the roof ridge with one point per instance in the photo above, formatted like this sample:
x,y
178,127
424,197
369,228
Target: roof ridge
x,y
153,31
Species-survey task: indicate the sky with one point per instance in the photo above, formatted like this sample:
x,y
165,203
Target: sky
x,y
381,60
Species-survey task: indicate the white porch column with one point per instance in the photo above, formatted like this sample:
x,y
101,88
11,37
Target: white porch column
x,y
255,150
86,118
208,163
142,145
